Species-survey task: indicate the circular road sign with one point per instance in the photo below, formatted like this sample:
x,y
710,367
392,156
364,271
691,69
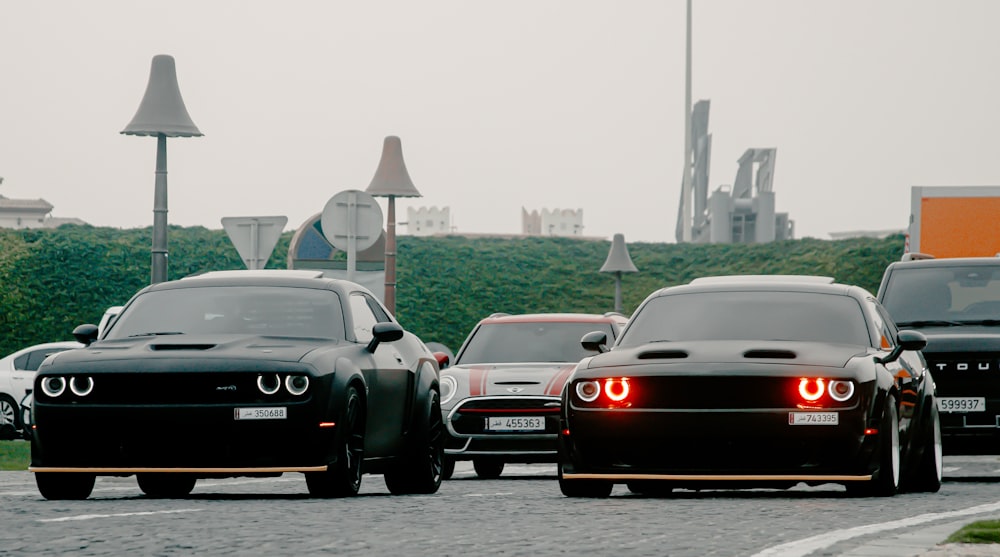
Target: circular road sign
x,y
352,212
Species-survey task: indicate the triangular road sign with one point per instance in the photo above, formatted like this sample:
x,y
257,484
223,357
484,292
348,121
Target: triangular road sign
x,y
254,237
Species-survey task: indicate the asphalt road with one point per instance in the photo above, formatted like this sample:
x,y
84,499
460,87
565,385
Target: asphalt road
x,y
522,513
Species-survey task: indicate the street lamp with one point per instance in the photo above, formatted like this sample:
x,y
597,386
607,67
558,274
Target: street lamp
x,y
391,180
618,262
161,114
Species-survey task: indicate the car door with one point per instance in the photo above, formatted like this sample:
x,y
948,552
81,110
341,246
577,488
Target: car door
x,y
389,381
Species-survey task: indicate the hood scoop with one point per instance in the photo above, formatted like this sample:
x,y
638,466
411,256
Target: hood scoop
x,y
663,355
770,354
517,382
164,347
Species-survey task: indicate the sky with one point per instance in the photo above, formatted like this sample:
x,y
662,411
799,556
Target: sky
x,y
500,106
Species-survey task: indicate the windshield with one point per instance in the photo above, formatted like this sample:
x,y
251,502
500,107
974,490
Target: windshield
x,y
501,343
749,315
258,310
955,295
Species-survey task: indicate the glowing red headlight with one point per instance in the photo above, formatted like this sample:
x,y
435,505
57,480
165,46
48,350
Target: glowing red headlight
x,y
616,389
811,389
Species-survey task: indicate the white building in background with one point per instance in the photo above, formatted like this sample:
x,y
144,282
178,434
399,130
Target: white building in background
x,y
428,221
557,222
30,213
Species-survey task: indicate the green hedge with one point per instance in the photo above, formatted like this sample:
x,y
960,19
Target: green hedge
x,y
53,280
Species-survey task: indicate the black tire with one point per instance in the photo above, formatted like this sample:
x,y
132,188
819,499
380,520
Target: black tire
x,y
885,482
422,469
166,485
927,476
448,468
488,468
343,477
595,489
9,416
656,488
64,486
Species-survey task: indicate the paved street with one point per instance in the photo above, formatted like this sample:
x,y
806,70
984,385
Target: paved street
x,y
522,513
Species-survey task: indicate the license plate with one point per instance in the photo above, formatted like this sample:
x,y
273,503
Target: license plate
x,y
520,423
270,413
813,418
962,404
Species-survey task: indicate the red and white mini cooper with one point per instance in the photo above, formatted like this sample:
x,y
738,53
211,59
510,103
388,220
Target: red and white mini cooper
x,y
501,397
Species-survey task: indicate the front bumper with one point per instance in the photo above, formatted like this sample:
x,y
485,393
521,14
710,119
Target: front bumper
x,y
470,437
206,439
727,447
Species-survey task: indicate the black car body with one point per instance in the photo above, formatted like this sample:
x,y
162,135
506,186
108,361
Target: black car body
x,y
241,373
955,303
749,381
501,398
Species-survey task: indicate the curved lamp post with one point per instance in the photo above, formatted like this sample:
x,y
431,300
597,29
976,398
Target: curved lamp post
x,y
618,262
161,114
391,180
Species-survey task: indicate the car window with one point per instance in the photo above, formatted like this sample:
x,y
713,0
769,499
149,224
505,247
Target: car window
x,y
363,316
271,311
33,359
749,315
955,293
529,342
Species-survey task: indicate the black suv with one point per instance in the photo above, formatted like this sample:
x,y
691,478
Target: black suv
x,y
956,304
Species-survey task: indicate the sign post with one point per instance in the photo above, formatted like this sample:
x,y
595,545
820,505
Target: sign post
x,y
352,222
254,237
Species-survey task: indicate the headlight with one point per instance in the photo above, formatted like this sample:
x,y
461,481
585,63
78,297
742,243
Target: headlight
x,y
588,391
448,388
811,389
269,383
53,386
297,384
81,386
841,390
616,389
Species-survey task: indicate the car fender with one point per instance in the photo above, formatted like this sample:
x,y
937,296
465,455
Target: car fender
x,y
345,372
425,381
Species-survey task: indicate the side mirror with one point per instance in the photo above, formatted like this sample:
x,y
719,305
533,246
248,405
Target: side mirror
x,y
384,332
911,340
905,340
595,341
85,334
442,359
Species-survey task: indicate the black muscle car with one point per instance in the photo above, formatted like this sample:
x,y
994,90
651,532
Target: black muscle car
x,y
752,381
241,373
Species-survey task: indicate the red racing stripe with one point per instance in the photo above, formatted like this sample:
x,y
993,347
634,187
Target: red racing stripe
x,y
556,385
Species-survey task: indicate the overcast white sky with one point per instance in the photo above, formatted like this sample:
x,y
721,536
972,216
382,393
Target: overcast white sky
x,y
557,104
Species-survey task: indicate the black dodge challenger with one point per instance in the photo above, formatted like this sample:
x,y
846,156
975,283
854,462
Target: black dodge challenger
x,y
752,381
241,373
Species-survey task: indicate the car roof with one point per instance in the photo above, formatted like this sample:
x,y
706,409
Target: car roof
x,y
948,262
770,283
610,317
302,278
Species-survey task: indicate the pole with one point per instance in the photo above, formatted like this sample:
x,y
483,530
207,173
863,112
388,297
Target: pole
x,y
352,235
618,291
159,251
390,257
686,180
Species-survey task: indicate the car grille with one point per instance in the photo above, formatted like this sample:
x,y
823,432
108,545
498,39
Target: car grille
x,y
471,416
183,388
717,393
965,375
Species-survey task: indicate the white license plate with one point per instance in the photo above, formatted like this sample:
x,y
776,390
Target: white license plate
x,y
271,413
962,404
813,418
519,423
